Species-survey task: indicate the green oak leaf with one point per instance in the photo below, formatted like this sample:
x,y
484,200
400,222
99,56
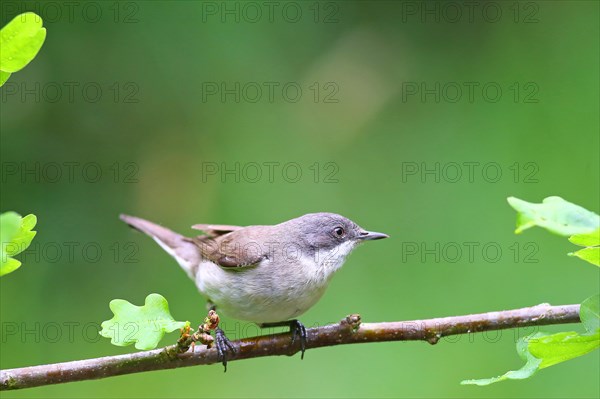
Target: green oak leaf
x,y
592,243
587,239
20,40
590,254
543,350
4,77
16,235
143,325
9,223
531,366
590,313
556,215
560,347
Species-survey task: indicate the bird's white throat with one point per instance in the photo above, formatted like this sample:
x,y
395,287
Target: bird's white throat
x,y
330,260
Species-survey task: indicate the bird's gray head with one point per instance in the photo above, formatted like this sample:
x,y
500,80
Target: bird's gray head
x,y
328,238
329,230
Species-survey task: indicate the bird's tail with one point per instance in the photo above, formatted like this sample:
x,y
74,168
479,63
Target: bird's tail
x,y
181,248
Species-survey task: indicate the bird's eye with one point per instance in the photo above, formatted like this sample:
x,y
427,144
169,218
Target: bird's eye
x,y
339,231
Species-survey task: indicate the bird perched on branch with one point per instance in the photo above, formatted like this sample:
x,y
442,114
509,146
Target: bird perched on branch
x,y
268,275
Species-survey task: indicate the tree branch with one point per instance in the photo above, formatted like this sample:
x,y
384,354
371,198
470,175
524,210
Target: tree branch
x,y
349,331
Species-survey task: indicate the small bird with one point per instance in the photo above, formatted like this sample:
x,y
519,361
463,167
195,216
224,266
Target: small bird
x,y
268,275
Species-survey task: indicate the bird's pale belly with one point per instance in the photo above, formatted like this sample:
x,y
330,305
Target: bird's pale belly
x,y
268,298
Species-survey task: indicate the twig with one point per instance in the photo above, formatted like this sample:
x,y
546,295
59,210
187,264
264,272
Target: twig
x,y
348,331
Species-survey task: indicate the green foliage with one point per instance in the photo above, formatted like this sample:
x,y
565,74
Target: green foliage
x,y
586,240
4,77
16,235
590,313
143,325
531,366
555,215
543,350
560,347
564,218
591,242
21,39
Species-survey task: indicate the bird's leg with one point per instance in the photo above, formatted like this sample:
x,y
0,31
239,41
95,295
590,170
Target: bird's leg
x,y
224,346
222,343
296,328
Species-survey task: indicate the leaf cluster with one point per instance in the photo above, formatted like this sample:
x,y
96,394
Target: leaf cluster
x,y
21,39
16,234
541,350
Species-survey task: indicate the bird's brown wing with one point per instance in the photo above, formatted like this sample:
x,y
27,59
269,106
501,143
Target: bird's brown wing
x,y
231,247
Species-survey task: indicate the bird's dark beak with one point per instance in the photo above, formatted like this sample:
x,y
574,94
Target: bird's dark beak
x,y
370,235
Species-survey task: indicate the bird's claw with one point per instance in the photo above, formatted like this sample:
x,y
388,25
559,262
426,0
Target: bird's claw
x,y
224,346
297,328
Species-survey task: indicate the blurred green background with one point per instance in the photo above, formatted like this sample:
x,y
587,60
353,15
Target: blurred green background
x,y
119,104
